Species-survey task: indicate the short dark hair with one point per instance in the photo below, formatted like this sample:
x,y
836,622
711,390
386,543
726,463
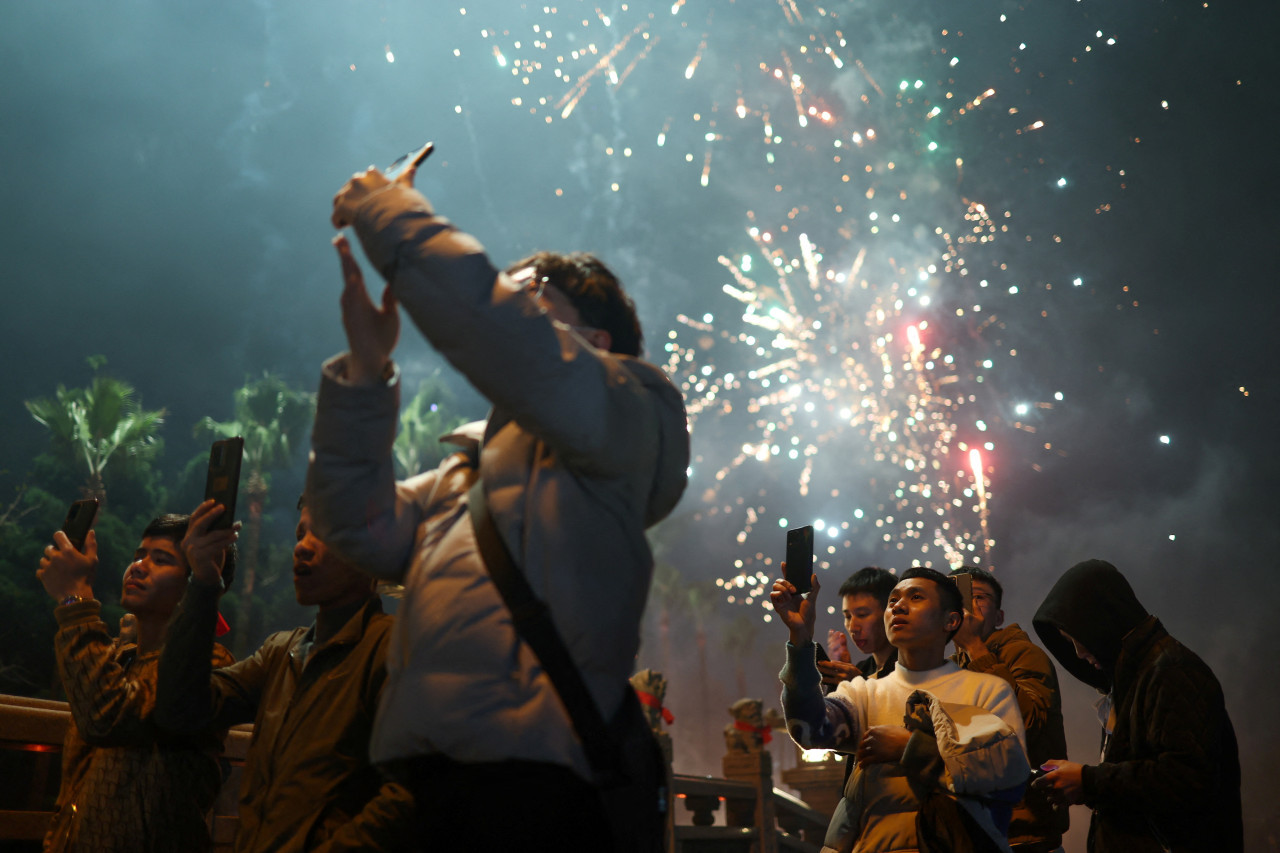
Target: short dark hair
x,y
948,592
980,574
871,580
594,291
174,526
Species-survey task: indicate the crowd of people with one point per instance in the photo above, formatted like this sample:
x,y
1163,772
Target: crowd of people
x,y
449,726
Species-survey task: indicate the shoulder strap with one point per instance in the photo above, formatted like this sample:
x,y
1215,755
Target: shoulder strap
x,y
532,620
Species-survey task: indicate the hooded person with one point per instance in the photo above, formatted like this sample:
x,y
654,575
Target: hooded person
x,y
1169,776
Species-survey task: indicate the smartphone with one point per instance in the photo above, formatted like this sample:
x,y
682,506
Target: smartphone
x,y
411,160
800,557
965,584
79,521
223,480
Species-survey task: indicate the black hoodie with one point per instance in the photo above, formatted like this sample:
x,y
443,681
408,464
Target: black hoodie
x,y
1094,604
1170,773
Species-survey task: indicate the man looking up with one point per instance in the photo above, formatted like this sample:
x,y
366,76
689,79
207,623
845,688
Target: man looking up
x,y
585,447
863,597
1169,778
983,755
126,785
982,645
311,694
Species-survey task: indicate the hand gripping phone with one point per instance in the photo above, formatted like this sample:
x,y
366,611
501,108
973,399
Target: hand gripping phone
x,y
412,160
222,483
800,557
79,521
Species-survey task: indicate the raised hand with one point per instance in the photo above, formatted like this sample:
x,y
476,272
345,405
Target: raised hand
x,y
355,191
64,571
205,549
372,330
797,612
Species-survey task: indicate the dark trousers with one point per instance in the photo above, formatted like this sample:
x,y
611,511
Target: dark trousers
x,y
500,806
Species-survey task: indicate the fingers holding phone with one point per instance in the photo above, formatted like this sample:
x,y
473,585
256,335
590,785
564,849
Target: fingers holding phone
x,y
796,611
206,542
65,571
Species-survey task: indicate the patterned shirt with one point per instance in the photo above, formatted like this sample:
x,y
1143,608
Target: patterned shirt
x,y
126,786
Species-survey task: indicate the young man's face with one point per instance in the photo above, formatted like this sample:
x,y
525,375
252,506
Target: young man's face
x,y
915,618
864,620
156,579
320,579
989,616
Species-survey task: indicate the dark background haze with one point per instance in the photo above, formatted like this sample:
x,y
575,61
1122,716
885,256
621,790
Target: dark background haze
x,y
166,184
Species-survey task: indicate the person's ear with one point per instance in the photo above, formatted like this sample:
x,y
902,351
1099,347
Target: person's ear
x,y
1000,618
600,339
954,619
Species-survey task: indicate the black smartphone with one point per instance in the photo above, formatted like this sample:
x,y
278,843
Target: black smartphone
x,y
223,480
800,557
79,521
965,584
411,160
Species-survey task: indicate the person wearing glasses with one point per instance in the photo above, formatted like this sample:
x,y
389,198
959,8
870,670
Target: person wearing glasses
x,y
586,446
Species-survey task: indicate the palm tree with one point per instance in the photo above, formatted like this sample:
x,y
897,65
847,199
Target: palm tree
x,y
102,423
424,419
273,420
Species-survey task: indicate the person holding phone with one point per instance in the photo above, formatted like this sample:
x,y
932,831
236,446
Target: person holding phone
x,y
311,694
125,785
958,761
585,447
985,644
1169,776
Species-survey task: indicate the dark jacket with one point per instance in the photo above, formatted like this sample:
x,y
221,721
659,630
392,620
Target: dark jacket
x,y
308,784
1170,773
1030,673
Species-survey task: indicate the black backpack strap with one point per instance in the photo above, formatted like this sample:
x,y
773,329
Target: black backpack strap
x,y
532,620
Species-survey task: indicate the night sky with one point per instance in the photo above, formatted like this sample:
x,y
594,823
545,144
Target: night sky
x,y
166,199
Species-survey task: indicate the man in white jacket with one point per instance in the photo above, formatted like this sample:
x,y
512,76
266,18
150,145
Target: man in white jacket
x,y
585,447
965,744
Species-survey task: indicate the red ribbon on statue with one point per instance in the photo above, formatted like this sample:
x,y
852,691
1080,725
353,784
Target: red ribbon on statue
x,y
651,701
766,734
222,627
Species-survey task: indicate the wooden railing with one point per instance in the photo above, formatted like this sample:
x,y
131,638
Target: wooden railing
x,y
756,817
31,736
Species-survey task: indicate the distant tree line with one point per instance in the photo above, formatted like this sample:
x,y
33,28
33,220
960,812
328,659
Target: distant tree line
x,y
104,443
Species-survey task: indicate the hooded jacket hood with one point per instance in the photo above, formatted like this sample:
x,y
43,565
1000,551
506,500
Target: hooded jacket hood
x,y
1093,603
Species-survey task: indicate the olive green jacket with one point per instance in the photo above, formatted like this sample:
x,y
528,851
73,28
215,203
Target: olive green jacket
x,y
308,784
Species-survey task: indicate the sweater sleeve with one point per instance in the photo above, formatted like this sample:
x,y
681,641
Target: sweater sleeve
x,y
356,506
813,720
191,695
109,708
